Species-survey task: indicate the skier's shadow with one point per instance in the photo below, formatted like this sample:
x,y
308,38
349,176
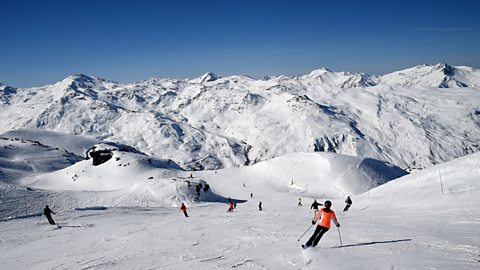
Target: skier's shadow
x,y
374,243
65,225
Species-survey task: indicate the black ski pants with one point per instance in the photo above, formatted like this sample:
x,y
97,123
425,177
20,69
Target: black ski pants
x,y
346,207
50,219
319,231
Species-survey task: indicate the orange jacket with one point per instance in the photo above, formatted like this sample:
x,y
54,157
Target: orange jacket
x,y
325,218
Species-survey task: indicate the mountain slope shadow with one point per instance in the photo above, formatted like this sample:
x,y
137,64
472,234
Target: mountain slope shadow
x,y
212,197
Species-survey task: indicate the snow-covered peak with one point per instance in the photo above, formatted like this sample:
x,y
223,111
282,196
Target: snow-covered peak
x,y
319,72
3,87
440,75
6,93
357,80
207,77
81,78
74,82
445,68
82,81
77,79
338,79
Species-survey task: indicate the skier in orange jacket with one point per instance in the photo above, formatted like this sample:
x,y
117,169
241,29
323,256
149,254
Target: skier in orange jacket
x,y
324,216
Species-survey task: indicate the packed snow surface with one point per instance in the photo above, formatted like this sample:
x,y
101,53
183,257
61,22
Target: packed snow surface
x,y
124,219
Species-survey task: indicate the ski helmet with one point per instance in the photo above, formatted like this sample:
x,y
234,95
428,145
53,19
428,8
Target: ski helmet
x,y
328,203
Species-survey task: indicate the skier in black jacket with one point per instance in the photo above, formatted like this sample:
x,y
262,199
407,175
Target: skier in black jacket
x,y
47,212
315,206
348,201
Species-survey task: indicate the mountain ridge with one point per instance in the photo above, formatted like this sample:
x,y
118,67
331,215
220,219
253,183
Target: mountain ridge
x,y
236,120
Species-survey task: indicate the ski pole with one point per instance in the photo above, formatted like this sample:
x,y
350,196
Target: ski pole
x,y
340,236
305,232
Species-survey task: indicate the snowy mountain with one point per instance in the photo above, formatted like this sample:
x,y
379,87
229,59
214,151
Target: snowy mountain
x,y
338,79
207,77
215,122
6,92
439,75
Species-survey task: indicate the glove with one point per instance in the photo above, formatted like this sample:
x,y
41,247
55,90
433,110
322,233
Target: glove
x,y
313,222
338,225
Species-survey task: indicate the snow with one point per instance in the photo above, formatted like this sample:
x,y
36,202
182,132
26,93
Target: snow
x,y
325,135
404,118
404,224
127,217
20,158
74,144
439,75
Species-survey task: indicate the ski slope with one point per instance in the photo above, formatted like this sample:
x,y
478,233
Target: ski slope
x,y
406,223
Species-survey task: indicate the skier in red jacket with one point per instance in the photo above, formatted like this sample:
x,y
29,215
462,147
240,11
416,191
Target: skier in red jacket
x,y
183,208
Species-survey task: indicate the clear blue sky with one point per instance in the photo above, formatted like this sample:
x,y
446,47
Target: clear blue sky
x,y
127,41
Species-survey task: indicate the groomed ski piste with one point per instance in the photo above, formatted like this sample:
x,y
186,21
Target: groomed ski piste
x,y
124,213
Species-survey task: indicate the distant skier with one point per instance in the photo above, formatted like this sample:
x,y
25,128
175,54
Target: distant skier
x,y
260,206
348,201
234,205
183,208
324,216
197,189
300,202
47,212
315,205
251,195
230,207
206,188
